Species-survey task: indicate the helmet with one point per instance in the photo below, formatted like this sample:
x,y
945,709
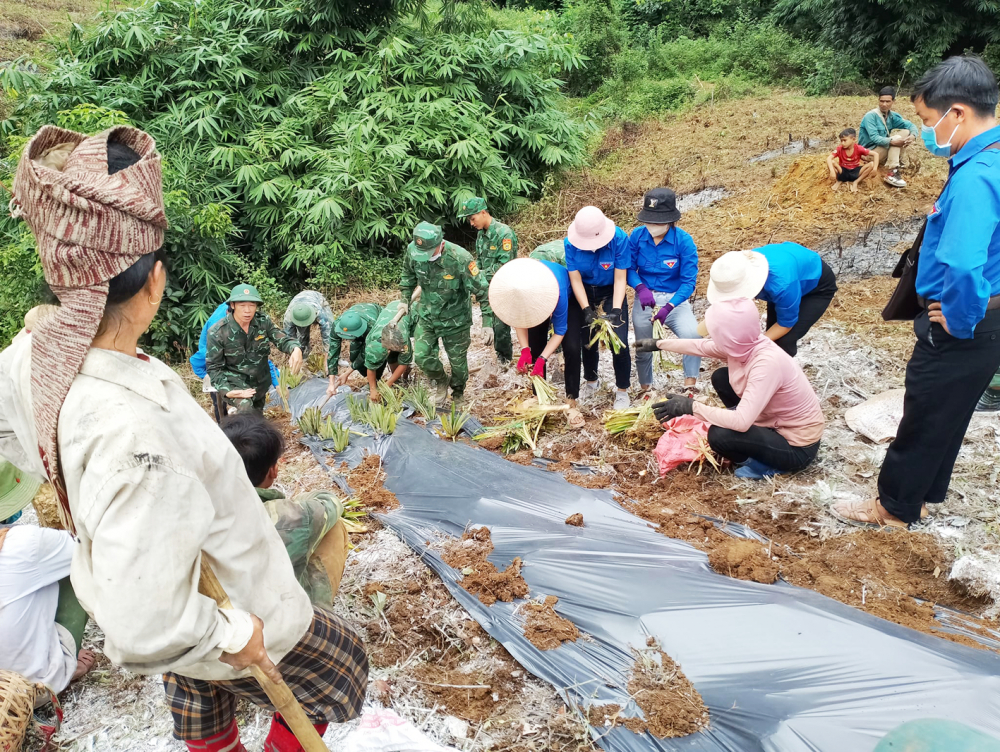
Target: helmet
x,y
472,206
426,239
351,325
244,294
303,314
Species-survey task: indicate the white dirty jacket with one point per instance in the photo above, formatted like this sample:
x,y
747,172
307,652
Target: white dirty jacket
x,y
152,483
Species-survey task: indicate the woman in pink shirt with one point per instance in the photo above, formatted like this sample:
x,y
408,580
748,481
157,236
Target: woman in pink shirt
x,y
773,421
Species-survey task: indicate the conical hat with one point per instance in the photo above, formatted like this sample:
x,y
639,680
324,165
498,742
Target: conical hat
x,y
523,293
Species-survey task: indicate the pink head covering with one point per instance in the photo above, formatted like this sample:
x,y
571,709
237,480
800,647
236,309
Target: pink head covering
x,y
734,326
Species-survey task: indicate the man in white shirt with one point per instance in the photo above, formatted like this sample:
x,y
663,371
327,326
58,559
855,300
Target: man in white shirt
x,y
34,588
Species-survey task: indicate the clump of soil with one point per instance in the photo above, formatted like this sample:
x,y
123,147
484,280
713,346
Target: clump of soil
x,y
670,703
482,578
576,520
544,628
46,507
366,481
491,443
744,560
473,696
588,480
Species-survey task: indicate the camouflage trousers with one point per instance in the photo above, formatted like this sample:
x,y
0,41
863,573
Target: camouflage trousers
x,y
502,342
456,341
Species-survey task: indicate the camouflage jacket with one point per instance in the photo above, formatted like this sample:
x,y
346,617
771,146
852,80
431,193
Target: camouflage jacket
x,y
377,356
447,285
367,311
324,316
236,359
495,246
554,251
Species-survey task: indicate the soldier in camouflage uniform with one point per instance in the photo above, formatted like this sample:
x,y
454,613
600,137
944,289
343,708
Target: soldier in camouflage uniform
x,y
352,326
554,251
448,276
379,351
237,349
496,244
307,308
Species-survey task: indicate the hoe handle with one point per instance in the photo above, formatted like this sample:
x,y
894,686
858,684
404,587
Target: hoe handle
x,y
278,693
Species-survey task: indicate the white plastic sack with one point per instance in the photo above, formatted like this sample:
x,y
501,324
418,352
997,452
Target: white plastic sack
x,y
384,731
877,418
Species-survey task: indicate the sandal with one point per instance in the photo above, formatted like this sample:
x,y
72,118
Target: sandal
x,y
85,660
575,419
870,509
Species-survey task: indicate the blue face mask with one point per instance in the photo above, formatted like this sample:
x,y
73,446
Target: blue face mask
x,y
929,135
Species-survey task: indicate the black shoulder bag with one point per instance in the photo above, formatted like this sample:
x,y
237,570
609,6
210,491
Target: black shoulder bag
x,y
903,305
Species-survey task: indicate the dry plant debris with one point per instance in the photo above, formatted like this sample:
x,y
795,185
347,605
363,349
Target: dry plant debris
x,y
481,577
544,628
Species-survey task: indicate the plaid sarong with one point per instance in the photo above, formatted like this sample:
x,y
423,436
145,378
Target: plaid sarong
x,y
327,672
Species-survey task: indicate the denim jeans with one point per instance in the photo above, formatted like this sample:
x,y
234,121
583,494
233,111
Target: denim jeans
x,y
681,322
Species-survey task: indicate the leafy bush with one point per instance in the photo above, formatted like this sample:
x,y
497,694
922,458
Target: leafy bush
x,y
312,135
597,30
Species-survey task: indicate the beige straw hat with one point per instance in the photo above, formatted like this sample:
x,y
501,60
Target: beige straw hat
x,y
524,293
737,274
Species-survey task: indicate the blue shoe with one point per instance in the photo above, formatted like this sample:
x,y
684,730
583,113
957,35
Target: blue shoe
x,y
755,470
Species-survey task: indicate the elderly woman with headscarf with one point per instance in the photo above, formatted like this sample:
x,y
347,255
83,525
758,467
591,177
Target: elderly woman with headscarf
x,y
144,478
772,422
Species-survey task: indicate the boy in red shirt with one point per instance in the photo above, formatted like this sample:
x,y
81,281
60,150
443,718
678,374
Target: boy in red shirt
x,y
850,162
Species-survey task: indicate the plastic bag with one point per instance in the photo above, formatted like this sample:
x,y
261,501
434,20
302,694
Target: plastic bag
x,y
680,443
384,731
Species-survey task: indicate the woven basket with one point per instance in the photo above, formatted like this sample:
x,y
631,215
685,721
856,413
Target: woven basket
x,y
17,702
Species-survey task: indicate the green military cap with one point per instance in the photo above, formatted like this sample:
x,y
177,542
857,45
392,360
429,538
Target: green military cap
x,y
351,325
244,294
16,490
303,314
472,206
426,239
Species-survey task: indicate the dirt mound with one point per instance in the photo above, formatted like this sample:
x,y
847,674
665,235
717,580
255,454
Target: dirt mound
x,y
544,628
473,696
576,520
366,481
744,560
482,578
670,703
588,480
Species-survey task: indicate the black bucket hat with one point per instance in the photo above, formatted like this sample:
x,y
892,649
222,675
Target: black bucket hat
x,y
659,207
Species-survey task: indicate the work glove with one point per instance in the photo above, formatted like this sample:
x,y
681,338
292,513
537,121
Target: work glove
x,y
645,296
673,406
524,361
589,315
661,315
539,369
646,345
488,336
616,318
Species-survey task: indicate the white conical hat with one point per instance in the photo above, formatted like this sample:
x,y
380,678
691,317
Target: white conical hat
x,y
523,293
737,274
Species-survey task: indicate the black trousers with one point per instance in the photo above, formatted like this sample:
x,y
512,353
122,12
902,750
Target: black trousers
x,y
944,379
622,361
812,306
762,444
538,337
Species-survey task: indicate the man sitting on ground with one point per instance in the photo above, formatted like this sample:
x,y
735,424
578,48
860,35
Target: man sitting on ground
x,y
311,525
888,133
850,162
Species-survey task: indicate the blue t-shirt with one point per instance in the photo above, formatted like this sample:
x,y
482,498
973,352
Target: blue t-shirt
x,y
668,266
960,255
793,271
197,360
560,313
597,268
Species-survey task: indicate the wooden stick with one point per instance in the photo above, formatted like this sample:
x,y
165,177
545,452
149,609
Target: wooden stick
x,y
279,694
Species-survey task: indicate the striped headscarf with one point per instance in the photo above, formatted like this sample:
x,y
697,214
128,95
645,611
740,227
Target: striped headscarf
x,y
89,226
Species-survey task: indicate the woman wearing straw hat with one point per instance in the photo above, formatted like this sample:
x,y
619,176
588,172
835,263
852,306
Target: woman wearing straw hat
x,y
796,283
144,478
533,295
663,273
598,261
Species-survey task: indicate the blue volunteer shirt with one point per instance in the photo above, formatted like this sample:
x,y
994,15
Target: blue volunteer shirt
x,y
668,266
960,255
597,268
197,360
560,314
793,271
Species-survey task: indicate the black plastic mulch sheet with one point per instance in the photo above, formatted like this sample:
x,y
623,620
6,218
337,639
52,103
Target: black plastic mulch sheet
x,y
779,667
